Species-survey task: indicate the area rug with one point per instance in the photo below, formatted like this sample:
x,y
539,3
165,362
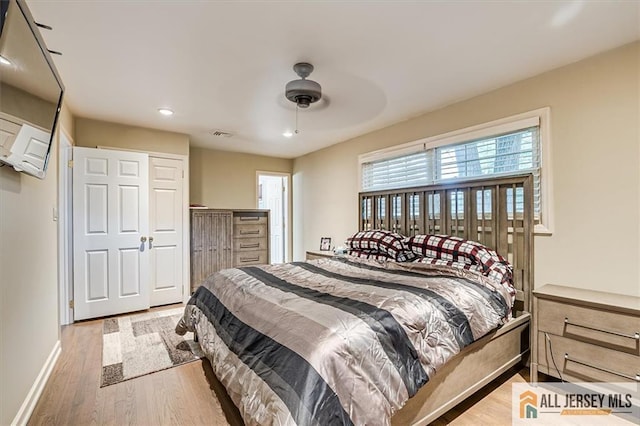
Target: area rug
x,y
140,344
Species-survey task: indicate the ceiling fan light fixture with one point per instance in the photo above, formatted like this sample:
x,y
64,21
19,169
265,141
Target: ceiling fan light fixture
x,y
303,92
165,111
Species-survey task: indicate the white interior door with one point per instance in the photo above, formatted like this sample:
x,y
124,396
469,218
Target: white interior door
x,y
110,224
272,196
166,223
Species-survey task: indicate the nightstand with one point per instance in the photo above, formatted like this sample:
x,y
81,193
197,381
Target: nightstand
x,y
585,335
319,254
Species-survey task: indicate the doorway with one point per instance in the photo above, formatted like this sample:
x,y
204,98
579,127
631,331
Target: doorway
x,y
273,194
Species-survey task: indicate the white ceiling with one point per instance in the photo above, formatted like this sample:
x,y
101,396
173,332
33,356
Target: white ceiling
x,y
224,65
28,70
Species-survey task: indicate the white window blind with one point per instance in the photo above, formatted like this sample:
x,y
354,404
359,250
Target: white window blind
x,y
399,172
506,154
503,155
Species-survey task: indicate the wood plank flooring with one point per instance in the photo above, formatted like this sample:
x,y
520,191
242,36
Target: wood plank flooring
x,y
188,394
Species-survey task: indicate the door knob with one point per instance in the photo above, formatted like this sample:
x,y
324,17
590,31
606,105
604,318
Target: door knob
x,y
150,242
143,239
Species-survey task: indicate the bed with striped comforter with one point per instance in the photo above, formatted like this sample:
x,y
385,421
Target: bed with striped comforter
x,y
337,341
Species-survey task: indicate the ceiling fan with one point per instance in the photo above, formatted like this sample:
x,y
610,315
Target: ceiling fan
x,y
303,92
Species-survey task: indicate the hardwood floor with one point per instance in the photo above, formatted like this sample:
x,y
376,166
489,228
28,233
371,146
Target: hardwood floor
x,y
489,406
188,394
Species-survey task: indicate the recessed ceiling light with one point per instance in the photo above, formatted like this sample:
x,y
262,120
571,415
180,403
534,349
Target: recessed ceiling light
x,y
287,134
4,61
165,111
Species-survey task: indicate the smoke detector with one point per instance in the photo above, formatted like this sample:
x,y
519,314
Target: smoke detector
x,y
303,92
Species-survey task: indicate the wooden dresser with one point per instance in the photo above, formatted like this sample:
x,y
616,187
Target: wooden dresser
x,y
250,237
223,239
585,336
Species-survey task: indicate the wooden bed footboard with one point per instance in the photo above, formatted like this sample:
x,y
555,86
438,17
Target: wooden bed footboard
x,y
470,370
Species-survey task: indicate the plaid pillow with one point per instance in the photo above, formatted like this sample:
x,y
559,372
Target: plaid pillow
x,y
442,262
379,241
454,249
370,255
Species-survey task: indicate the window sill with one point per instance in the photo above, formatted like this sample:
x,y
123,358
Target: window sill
x,y
541,229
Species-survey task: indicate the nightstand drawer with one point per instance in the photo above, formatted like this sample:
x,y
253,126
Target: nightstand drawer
x,y
583,361
310,255
604,328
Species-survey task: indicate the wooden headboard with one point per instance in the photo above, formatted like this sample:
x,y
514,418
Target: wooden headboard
x,y
496,212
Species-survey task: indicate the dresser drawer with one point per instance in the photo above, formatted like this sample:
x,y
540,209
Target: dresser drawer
x,y
250,219
249,244
249,231
599,327
250,258
584,361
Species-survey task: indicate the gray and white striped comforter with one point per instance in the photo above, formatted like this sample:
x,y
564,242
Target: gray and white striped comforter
x,y
337,341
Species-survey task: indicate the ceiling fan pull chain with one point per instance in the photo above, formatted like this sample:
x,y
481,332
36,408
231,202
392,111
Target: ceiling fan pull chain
x,y
296,131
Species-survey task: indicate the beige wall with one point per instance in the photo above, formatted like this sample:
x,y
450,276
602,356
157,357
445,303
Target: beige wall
x,y
595,164
227,180
24,105
92,133
28,279
66,122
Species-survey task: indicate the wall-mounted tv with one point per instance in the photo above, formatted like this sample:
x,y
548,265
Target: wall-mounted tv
x,y
30,91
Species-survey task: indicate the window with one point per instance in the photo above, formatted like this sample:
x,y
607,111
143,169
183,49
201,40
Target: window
x,y
511,153
510,146
399,172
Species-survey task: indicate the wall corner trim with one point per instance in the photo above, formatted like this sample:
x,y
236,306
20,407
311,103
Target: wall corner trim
x,y
25,411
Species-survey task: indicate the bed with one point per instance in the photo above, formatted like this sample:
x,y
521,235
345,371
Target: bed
x,y
359,339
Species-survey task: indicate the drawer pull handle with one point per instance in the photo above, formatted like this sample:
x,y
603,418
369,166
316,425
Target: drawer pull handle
x,y
249,218
606,370
249,259
250,245
257,231
635,336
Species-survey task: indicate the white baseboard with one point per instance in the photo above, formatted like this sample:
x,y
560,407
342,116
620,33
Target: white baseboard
x,y
25,411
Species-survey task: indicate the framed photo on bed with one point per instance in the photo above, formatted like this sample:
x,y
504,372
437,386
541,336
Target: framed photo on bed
x,y
325,243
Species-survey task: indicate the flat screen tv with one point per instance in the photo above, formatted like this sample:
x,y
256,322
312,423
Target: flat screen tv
x,y
30,91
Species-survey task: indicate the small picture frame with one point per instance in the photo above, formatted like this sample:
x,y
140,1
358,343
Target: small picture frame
x,y
325,243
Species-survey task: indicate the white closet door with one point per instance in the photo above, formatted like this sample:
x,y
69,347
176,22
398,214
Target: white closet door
x,y
110,224
166,222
